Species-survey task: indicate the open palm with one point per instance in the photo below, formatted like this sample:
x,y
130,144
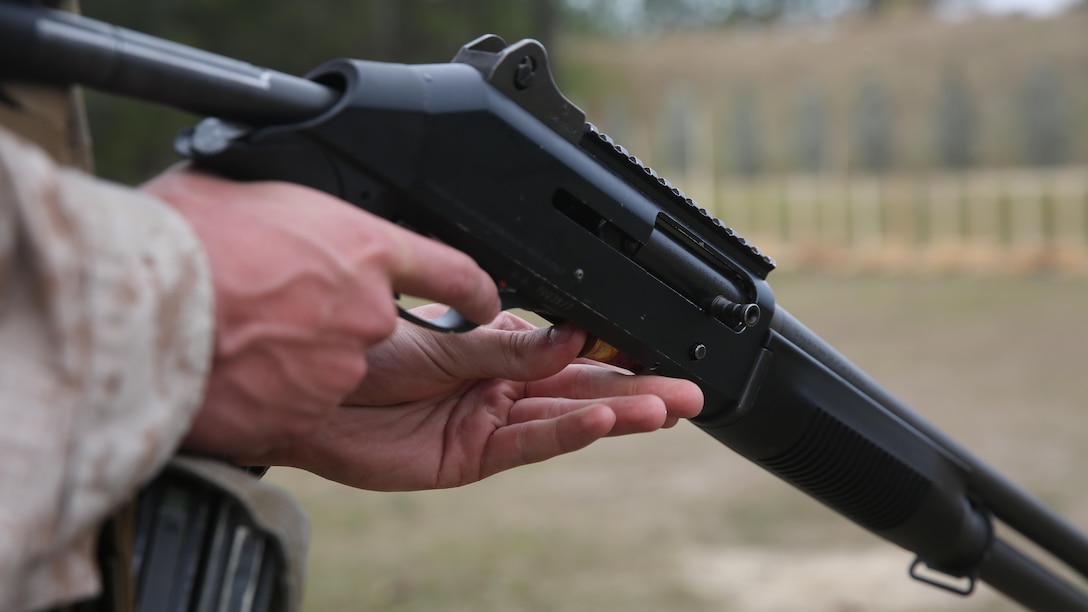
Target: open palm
x,y
438,410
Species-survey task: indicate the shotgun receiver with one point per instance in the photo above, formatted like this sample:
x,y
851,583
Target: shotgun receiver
x,y
487,155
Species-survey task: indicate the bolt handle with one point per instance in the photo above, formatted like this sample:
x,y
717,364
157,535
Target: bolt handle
x,y
734,314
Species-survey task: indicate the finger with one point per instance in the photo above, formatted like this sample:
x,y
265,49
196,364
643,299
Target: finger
x,y
534,441
431,270
505,352
682,398
636,414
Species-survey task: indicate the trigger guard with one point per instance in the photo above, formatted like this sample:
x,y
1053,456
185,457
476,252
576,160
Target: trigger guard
x,y
451,322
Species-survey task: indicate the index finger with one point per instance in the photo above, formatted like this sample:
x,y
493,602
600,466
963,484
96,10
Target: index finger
x,y
414,264
431,270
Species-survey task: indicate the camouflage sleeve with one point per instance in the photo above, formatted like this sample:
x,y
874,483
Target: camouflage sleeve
x,y
106,323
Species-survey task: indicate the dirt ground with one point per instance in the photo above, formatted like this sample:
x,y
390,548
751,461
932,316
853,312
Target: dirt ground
x,y
675,521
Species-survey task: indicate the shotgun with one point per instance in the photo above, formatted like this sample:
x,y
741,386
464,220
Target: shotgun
x,y
486,154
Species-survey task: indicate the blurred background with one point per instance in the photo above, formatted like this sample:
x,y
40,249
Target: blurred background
x,y
919,169
917,135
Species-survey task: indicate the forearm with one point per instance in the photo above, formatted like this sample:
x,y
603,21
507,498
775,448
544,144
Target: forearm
x,y
105,336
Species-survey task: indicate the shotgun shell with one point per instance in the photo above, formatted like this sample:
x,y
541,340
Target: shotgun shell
x,y
599,350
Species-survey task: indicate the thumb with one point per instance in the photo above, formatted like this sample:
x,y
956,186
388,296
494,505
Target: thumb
x,y
521,355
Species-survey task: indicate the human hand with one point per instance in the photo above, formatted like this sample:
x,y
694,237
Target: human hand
x,y
444,410
303,285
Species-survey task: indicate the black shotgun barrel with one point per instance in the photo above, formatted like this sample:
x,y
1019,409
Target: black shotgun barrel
x,y
1008,502
36,41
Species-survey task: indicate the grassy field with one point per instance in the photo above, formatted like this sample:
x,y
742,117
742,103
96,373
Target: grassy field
x,y
674,521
